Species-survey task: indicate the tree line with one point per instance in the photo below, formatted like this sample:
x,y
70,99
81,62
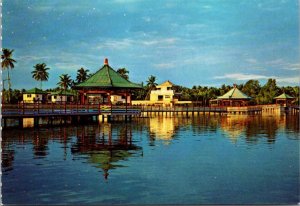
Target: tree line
x,y
40,73
260,94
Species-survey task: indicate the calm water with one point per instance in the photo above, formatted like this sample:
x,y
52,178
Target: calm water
x,y
200,160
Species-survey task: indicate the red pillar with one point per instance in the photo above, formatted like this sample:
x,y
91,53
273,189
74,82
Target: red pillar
x,y
82,97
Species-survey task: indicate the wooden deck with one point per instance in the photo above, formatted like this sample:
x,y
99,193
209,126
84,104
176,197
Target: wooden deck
x,y
46,110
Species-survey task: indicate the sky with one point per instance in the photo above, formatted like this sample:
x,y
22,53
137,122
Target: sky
x,y
197,42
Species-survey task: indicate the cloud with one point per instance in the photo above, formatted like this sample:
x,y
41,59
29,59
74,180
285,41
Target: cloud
x,y
284,64
251,60
116,44
164,65
159,41
278,61
292,66
147,19
293,80
243,77
240,76
206,6
125,1
68,66
126,43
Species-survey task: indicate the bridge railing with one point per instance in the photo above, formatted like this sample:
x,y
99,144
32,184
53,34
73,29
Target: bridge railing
x,y
67,108
182,109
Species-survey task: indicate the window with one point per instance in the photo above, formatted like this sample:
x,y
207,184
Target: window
x,y
28,95
160,97
167,96
54,97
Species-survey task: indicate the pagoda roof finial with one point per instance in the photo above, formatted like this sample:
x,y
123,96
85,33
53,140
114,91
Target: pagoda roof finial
x,y
105,61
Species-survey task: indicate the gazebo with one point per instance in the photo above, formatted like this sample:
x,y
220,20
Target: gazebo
x,y
103,86
284,99
233,97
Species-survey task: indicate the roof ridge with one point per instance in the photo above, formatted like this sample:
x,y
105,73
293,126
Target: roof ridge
x,y
233,89
108,74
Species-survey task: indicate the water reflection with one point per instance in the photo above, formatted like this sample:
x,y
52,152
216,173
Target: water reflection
x,y
235,126
104,148
107,146
254,128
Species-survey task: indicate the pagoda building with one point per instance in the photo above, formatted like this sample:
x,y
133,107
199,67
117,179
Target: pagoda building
x,y
233,97
284,100
105,86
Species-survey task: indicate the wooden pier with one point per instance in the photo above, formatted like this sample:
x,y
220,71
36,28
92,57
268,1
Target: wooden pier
x,y
79,112
75,112
196,110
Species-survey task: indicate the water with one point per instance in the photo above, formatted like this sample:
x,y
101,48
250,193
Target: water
x,y
200,160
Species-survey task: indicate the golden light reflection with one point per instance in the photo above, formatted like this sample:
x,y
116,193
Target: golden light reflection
x,y
28,122
234,126
164,128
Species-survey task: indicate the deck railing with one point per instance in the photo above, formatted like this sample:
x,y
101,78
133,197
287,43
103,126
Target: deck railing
x,y
24,109
65,109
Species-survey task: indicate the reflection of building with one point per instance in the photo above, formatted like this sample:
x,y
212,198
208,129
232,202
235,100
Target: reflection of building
x,y
251,127
163,128
284,100
34,95
103,150
234,126
101,86
234,97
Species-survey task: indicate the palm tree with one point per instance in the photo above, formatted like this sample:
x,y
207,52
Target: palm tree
x,y
40,73
151,84
7,63
123,72
65,82
82,75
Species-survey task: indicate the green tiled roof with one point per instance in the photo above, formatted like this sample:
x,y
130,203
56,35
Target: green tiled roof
x,y
35,91
62,92
107,77
284,96
234,93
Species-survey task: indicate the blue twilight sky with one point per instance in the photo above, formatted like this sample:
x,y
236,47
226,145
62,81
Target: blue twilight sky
x,y
200,42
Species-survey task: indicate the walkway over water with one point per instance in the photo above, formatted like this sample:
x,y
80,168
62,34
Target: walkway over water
x,y
42,110
54,110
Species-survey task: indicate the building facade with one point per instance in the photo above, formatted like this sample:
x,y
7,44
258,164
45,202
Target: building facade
x,y
164,93
34,95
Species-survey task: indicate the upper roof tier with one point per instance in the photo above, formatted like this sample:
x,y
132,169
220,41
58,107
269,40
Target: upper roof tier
x,y
107,78
284,96
165,84
234,93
